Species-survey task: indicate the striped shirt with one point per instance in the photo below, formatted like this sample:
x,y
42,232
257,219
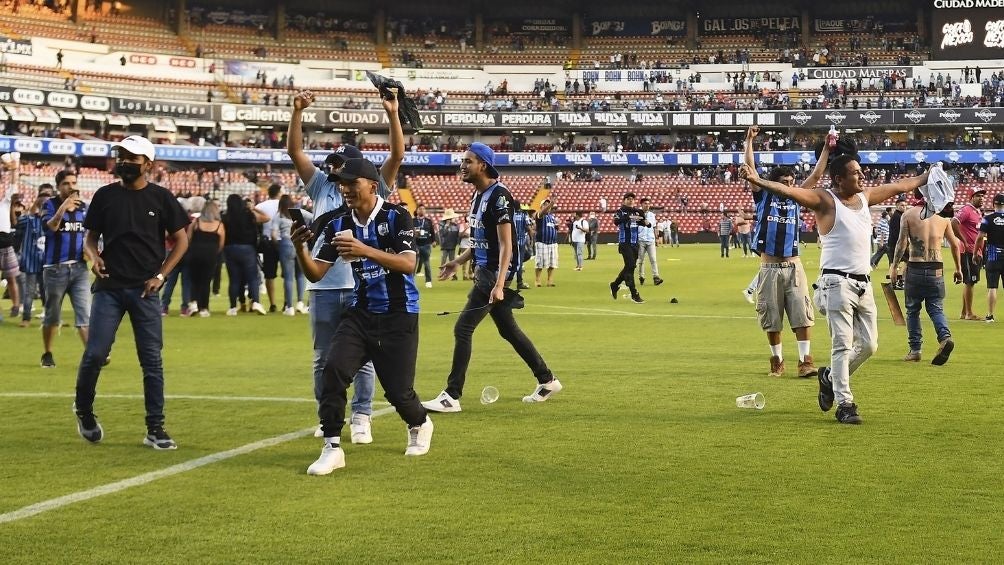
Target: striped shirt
x,y
66,244
993,226
626,219
725,226
882,231
775,228
377,289
547,229
490,209
31,255
520,222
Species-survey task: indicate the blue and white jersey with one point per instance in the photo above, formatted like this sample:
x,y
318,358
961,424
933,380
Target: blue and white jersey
x,y
31,255
326,198
388,228
490,209
67,243
775,231
547,229
627,219
993,226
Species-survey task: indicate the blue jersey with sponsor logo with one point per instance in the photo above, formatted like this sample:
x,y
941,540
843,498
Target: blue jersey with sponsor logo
x,y
31,255
490,209
993,226
547,229
389,228
627,220
66,243
775,230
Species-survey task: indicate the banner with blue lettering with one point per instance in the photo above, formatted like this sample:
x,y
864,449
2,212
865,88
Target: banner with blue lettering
x,y
190,153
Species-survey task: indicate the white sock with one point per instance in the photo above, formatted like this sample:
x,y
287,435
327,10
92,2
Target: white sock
x,y
751,287
775,351
803,350
335,441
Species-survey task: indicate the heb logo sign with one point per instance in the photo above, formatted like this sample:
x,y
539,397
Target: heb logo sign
x,y
62,99
62,148
182,62
28,96
141,59
95,103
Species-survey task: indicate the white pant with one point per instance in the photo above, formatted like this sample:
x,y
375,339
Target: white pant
x,y
849,307
647,248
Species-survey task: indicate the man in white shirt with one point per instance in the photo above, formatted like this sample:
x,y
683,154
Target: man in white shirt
x,y
646,244
843,290
269,242
580,228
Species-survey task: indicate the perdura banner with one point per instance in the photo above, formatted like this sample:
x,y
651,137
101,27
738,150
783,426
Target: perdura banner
x,y
62,147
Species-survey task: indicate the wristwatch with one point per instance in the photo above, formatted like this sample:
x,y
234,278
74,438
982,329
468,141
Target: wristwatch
x,y
159,277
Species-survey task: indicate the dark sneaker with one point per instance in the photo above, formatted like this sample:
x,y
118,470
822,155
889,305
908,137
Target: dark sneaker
x,y
636,298
47,361
657,281
825,389
522,286
944,350
641,281
848,414
158,439
88,426
989,319
614,287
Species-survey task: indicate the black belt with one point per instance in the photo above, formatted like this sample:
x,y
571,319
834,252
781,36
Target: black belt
x,y
862,278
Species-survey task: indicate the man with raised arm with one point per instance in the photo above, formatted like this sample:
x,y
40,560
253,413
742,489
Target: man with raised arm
x,y
843,290
781,287
332,295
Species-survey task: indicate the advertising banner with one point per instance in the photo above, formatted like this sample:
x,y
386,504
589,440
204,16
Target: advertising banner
x,y
967,29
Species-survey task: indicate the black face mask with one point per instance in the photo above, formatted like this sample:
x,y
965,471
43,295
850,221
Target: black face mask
x,y
128,172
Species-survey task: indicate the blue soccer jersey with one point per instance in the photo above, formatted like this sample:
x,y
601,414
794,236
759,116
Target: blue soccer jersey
x,y
775,231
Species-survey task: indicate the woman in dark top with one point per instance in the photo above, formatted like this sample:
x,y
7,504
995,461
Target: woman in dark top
x,y
241,224
205,236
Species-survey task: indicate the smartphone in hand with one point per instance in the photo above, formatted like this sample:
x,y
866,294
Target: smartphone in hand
x,y
297,215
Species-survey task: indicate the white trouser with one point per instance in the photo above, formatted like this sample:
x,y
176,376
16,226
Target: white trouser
x,y
849,306
647,248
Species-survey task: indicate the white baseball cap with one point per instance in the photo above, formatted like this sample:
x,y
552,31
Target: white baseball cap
x,y
137,145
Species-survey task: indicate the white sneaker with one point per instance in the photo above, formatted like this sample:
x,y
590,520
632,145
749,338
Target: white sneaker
x,y
332,457
205,313
428,284
359,425
232,312
289,312
544,391
442,403
748,295
319,432
301,308
419,438
257,307
193,307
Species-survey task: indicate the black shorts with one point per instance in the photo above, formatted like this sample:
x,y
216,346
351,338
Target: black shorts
x,y
970,269
994,269
270,259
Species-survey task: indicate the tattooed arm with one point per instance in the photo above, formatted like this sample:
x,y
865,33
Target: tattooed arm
x,y
902,248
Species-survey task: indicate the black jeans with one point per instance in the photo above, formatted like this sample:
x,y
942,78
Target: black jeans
x,y
629,252
424,252
390,341
474,311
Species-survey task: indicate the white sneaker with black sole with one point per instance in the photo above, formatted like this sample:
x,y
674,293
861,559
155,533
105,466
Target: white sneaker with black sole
x,y
332,457
419,438
442,403
544,391
359,426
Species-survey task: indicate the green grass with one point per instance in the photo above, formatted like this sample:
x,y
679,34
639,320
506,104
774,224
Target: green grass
x,y
643,458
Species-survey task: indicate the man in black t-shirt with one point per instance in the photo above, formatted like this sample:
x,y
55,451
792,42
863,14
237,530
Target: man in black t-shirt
x,y
493,239
131,217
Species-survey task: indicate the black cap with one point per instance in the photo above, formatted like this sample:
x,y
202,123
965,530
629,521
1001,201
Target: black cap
x,y
343,153
999,199
356,169
627,195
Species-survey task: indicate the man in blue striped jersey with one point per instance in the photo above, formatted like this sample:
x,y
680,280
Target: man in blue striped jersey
x,y
377,239
628,219
990,245
547,242
32,256
65,269
781,284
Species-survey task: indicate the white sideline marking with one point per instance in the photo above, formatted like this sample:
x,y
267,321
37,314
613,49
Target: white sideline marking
x,y
139,480
605,312
168,397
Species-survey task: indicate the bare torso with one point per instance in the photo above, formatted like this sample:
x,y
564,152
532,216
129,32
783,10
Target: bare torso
x,y
924,236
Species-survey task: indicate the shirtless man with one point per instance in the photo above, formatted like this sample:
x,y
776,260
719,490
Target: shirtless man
x,y
919,245
844,290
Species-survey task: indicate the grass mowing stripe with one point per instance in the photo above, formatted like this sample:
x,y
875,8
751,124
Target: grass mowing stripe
x,y
139,480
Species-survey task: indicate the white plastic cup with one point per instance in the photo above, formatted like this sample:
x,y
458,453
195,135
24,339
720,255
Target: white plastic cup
x,y
754,400
489,395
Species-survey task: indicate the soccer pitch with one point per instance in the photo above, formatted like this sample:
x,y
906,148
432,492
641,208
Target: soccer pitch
x,y
642,458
